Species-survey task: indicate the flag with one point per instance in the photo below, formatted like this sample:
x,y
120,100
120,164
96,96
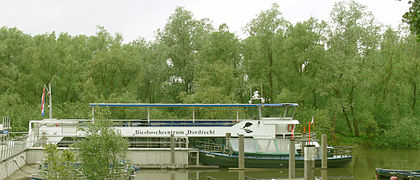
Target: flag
x,y
312,122
42,102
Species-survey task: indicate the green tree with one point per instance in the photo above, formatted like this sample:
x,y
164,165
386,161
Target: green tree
x,y
412,17
352,42
151,72
384,82
302,58
102,149
218,75
411,70
263,48
59,165
181,40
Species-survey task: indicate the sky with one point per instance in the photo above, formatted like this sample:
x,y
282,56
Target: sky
x,y
142,18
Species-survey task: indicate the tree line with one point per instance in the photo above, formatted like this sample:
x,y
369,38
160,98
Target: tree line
x,y
357,77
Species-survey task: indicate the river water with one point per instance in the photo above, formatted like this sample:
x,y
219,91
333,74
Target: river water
x,y
362,167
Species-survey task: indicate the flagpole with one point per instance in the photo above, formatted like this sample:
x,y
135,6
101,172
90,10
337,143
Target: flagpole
x,y
49,93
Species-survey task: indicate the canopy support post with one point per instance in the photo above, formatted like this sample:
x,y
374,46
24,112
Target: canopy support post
x,y
193,114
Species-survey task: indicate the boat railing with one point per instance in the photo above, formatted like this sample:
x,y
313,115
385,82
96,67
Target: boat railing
x,y
11,147
179,143
61,141
208,146
303,137
171,122
342,151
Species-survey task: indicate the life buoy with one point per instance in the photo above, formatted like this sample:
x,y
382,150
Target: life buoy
x,y
290,127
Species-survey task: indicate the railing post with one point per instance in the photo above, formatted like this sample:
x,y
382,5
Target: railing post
x,y
1,151
148,114
237,114
8,148
172,150
193,114
4,149
13,148
228,136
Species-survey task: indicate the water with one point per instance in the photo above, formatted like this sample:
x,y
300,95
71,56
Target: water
x,y
362,167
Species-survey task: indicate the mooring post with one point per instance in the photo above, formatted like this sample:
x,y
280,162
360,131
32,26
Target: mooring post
x,y
241,175
324,150
173,176
172,150
309,162
292,159
241,157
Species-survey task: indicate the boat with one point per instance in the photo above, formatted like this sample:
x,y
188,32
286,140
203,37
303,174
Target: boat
x,y
400,174
272,160
269,153
267,129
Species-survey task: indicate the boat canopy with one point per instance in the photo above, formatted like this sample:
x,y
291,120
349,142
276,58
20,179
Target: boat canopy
x,y
262,146
188,105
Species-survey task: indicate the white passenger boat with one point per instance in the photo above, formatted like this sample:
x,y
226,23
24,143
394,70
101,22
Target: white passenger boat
x,y
267,129
257,127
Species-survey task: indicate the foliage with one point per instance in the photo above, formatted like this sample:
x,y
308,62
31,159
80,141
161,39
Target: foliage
x,y
412,17
355,76
59,165
402,135
263,48
102,150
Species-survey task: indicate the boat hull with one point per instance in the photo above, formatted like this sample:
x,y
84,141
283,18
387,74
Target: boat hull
x,y
401,174
224,160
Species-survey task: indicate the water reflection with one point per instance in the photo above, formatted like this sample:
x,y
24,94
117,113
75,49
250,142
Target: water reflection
x,y
362,167
225,174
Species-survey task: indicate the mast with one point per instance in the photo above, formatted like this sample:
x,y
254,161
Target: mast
x,y
50,95
256,96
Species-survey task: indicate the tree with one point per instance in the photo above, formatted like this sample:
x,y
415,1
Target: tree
x,y
181,40
302,58
151,72
411,70
264,46
412,17
352,42
59,165
102,150
218,75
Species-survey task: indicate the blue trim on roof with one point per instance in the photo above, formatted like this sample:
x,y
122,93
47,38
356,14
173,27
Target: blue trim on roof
x,y
188,105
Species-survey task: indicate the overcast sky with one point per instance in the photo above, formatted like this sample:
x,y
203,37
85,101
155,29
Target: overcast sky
x,y
141,18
